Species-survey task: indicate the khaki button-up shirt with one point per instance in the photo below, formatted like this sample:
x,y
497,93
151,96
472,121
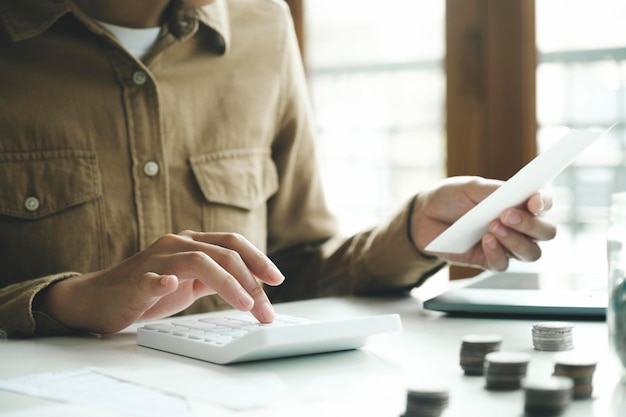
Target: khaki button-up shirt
x,y
102,153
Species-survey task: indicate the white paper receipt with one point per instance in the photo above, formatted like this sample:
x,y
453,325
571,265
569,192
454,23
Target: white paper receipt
x,y
470,228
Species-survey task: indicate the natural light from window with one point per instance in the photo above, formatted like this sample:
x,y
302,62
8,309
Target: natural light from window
x,y
580,84
377,86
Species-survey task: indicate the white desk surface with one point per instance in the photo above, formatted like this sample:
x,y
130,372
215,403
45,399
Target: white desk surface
x,y
367,382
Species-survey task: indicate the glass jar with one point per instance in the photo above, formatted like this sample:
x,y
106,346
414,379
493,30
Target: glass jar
x,y
616,256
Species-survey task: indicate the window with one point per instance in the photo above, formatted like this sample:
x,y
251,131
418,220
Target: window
x,y
580,84
378,89
377,86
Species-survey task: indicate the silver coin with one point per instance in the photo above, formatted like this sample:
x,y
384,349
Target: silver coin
x,y
575,359
482,339
505,357
553,325
549,396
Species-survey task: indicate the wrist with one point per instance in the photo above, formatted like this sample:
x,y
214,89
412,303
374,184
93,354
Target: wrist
x,y
60,302
415,207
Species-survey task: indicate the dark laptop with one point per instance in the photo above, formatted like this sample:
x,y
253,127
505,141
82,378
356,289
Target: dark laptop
x,y
505,294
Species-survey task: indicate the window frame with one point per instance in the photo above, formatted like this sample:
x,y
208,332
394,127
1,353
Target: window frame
x,y
491,61
490,65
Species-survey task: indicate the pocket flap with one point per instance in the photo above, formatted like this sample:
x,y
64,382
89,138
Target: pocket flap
x,y
243,178
37,184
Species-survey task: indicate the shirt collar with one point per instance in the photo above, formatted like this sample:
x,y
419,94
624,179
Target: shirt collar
x,y
183,21
25,19
216,17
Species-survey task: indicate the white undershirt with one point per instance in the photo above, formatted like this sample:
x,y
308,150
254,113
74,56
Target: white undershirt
x,y
136,41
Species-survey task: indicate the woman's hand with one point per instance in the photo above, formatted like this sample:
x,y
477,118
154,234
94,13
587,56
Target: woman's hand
x,y
513,235
164,279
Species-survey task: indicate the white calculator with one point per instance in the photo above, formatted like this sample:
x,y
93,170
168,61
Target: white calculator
x,y
239,337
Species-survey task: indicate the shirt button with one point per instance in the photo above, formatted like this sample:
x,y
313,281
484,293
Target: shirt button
x,y
31,203
139,77
151,168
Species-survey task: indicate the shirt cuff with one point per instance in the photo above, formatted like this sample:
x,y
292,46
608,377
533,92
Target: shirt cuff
x,y
392,261
17,317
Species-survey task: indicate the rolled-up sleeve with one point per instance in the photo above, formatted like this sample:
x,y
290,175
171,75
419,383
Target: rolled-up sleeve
x,y
303,235
17,317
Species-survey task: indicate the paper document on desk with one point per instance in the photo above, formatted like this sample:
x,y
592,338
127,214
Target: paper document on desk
x,y
58,410
89,387
233,389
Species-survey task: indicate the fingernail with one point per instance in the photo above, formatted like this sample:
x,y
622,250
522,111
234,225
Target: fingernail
x,y
500,230
266,313
276,274
167,278
245,300
542,206
490,242
512,218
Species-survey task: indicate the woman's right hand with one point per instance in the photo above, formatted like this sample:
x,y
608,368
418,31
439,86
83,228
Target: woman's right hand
x,y
164,279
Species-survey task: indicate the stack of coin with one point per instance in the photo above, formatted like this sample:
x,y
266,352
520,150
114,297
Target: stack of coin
x,y
553,336
580,368
426,400
474,347
504,371
547,397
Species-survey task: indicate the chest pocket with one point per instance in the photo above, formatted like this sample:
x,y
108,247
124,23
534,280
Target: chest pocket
x,y
37,184
236,185
50,213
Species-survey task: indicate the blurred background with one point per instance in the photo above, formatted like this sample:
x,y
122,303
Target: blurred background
x,y
408,92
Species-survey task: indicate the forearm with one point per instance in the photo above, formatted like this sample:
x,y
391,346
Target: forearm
x,y
19,318
379,260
